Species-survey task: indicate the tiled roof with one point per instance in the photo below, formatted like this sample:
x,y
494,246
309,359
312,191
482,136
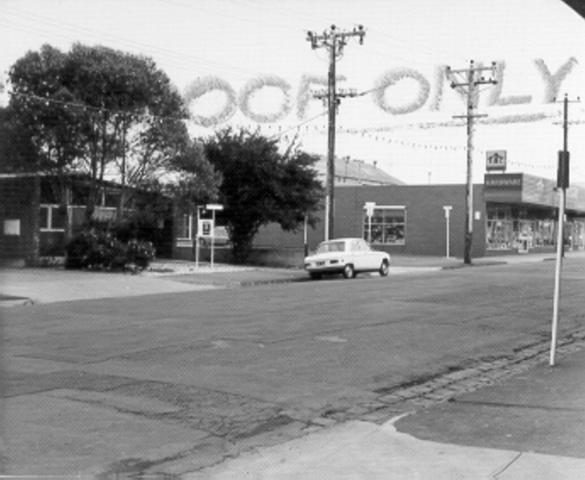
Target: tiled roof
x,y
357,172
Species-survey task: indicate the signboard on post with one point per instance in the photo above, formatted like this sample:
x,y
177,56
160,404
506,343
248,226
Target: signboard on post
x,y
205,228
447,209
369,206
213,206
495,160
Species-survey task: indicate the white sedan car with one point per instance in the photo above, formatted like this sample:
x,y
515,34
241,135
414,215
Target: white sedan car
x,y
349,256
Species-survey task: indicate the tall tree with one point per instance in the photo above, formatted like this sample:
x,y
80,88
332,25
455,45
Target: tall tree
x,y
99,111
261,185
194,180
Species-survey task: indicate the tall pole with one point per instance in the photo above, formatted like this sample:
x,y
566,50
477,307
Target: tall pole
x,y
332,108
471,81
557,291
469,176
562,185
565,146
333,40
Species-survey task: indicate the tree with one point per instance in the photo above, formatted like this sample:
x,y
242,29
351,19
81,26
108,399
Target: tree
x,y
97,110
260,185
195,181
17,150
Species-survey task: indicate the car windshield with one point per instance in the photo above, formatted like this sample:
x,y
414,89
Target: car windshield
x,y
326,247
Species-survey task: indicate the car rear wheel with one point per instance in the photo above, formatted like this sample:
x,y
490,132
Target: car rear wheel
x,y
314,275
384,269
348,271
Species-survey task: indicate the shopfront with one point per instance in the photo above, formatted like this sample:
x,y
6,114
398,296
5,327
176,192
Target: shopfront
x,y
513,213
522,214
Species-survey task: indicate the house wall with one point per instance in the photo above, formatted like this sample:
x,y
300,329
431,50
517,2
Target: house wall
x,y
16,198
17,202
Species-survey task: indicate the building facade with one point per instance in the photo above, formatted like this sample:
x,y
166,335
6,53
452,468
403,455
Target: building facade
x,y
512,213
60,208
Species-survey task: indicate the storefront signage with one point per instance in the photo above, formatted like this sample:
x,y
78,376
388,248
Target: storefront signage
x,y
504,181
495,160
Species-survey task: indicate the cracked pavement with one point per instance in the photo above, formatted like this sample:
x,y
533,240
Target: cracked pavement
x,y
173,384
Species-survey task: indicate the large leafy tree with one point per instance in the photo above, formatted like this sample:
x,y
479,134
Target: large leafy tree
x,y
194,180
98,111
17,150
261,185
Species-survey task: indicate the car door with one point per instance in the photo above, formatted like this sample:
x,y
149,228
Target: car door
x,y
371,257
359,255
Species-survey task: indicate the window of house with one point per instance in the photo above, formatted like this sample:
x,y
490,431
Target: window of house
x,y
387,227
52,218
185,227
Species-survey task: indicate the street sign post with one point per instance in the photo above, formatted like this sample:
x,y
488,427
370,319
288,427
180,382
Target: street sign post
x,y
214,207
370,206
447,209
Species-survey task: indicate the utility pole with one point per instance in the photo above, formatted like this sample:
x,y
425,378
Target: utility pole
x,y
561,173
334,41
562,185
472,80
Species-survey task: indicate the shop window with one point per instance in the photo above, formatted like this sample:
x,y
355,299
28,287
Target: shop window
x,y
388,226
52,218
518,228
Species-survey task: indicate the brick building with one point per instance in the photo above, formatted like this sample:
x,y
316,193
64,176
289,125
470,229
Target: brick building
x,y
512,213
60,205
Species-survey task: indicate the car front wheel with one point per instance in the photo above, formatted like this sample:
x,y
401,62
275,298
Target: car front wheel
x,y
348,271
384,269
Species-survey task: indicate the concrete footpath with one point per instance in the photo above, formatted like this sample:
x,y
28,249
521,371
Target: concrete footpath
x,y
22,286
530,425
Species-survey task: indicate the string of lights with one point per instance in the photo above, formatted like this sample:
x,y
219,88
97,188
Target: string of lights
x,y
299,125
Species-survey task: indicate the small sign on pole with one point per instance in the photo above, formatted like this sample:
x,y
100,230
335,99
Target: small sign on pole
x,y
205,227
447,209
370,206
213,206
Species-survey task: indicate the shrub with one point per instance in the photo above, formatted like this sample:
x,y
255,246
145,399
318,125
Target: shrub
x,y
103,251
139,253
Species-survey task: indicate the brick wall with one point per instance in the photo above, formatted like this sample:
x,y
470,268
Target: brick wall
x,y
16,201
425,219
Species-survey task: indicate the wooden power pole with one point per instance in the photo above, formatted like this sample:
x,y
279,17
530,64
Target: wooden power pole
x,y
472,79
334,41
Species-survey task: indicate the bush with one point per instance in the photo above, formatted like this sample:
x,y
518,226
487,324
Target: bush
x,y
139,253
103,251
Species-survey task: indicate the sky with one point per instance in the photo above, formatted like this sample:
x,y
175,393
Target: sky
x,y
404,119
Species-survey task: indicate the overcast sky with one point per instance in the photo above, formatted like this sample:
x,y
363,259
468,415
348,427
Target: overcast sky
x,y
243,40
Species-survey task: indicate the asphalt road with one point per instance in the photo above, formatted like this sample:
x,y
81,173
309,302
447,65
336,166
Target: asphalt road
x,y
177,381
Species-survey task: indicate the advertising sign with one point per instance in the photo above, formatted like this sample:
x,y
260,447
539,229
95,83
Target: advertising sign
x,y
495,160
